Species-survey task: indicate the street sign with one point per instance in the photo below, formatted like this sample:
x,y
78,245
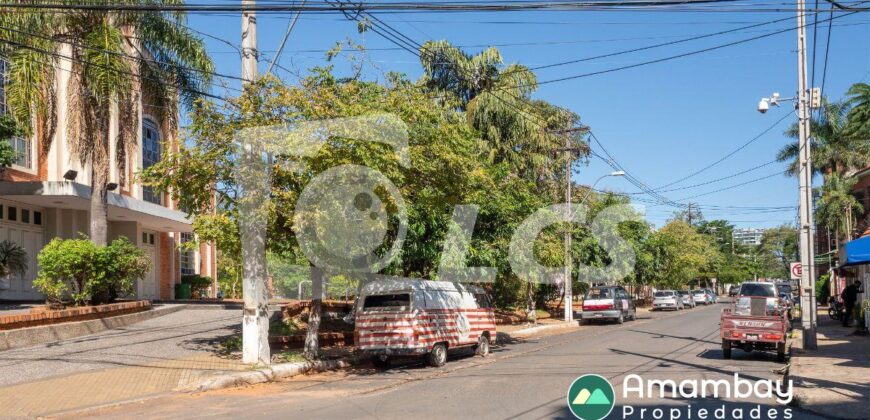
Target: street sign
x,y
796,270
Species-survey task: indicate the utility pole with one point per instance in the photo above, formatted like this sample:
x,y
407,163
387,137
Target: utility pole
x,y
570,150
808,290
255,314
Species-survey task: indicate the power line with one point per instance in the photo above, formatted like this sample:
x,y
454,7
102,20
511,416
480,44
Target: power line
x,y
734,175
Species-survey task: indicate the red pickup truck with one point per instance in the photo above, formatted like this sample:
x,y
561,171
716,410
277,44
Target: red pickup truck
x,y
755,321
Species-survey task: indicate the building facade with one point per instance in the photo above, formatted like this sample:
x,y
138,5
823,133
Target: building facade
x,y
46,195
747,236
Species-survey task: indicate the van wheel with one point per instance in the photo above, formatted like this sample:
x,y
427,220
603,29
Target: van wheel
x,y
381,361
726,349
438,355
482,348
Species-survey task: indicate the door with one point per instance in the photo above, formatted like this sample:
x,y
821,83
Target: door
x,y
147,287
22,226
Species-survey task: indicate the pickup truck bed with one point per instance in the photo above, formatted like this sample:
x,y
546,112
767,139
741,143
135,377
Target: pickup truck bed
x,y
753,332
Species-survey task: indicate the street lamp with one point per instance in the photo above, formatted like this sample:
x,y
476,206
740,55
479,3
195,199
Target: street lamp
x,y
569,298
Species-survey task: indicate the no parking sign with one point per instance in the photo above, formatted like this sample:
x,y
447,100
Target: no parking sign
x,y
796,270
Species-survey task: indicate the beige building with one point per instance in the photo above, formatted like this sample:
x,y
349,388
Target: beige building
x,y
46,194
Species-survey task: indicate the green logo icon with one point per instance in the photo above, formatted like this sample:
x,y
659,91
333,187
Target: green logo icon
x,y
591,397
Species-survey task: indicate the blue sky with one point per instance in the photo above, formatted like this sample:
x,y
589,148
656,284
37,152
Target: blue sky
x,y
661,122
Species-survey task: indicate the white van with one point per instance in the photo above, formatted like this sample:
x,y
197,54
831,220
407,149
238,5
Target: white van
x,y
402,317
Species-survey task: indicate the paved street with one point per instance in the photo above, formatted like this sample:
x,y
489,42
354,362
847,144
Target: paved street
x,y
520,380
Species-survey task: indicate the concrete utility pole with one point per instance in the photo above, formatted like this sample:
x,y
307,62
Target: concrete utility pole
x,y
255,315
808,290
569,293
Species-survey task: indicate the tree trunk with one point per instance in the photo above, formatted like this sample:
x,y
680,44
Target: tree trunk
x,y
99,205
312,345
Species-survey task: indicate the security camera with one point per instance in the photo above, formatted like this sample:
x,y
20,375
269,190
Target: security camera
x,y
763,105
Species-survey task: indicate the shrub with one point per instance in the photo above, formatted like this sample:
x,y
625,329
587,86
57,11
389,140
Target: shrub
x,y
198,284
117,267
80,271
66,268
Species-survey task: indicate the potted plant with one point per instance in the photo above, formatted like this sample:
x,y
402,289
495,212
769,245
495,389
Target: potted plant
x,y
13,259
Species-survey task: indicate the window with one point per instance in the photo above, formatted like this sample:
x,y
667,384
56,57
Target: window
x,y
188,261
599,294
150,156
25,216
144,238
387,301
757,289
37,218
22,147
151,238
13,213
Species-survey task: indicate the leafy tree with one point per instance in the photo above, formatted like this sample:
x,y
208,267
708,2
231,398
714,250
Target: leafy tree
x,y
858,98
8,130
117,57
690,254
837,208
836,147
782,243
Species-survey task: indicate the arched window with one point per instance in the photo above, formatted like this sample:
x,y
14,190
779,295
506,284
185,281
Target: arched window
x,y
150,156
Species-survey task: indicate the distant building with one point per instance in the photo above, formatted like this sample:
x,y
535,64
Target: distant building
x,y
747,236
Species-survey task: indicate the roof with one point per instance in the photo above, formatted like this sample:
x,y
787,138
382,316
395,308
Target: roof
x,y
383,284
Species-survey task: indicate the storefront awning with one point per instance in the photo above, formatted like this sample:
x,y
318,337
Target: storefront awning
x,y
856,252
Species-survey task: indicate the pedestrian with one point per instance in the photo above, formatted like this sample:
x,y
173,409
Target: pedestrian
x,y
850,297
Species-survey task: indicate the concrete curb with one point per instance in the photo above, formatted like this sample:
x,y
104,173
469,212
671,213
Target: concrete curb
x,y
269,374
526,332
31,336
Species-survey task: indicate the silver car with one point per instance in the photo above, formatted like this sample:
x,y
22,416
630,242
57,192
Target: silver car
x,y
688,299
667,299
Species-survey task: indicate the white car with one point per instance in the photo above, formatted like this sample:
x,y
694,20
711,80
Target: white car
x,y
688,299
700,297
667,299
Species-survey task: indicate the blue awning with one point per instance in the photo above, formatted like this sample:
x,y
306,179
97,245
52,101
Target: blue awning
x,y
856,252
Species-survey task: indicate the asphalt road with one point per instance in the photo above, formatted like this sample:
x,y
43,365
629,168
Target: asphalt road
x,y
527,380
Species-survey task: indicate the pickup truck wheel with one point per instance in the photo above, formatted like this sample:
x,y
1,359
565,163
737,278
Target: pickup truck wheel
x,y
438,355
482,348
726,349
780,352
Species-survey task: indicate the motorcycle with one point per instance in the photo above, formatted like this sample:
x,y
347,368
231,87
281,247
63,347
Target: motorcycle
x,y
835,309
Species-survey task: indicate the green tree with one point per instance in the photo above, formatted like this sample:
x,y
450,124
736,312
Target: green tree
x,y
836,148
837,208
8,130
116,56
690,254
858,98
781,242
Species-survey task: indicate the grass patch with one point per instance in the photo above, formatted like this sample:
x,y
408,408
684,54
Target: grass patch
x,y
232,344
285,327
289,356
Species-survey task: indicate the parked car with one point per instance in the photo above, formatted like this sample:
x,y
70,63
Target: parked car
x,y
712,295
733,290
408,317
686,297
608,303
667,299
700,297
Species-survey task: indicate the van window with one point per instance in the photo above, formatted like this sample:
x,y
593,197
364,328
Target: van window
x,y
599,294
387,301
482,300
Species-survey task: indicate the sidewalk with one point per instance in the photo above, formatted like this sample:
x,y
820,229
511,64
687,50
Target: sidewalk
x,y
833,380
142,360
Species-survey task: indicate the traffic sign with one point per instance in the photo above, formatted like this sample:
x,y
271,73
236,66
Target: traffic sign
x,y
796,270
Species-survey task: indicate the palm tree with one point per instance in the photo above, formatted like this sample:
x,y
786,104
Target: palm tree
x,y
835,147
497,100
115,57
13,258
859,115
837,208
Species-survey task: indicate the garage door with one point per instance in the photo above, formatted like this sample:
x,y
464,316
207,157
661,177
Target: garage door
x,y
23,226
